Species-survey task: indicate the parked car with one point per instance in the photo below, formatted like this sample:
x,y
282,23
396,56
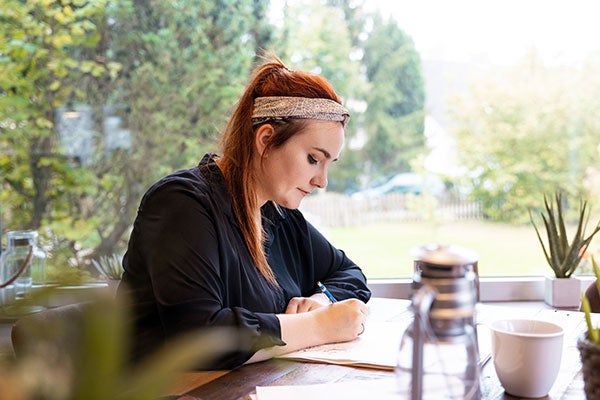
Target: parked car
x,y
405,182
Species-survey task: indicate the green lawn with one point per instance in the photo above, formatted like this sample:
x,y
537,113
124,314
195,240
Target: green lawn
x,y
383,249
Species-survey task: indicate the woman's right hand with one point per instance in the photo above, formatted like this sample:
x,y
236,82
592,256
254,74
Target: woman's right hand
x,y
341,321
338,322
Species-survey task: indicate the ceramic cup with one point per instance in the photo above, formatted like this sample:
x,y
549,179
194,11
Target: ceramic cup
x,y
526,355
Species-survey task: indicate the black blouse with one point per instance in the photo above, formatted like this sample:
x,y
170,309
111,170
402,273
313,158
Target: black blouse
x,y
187,265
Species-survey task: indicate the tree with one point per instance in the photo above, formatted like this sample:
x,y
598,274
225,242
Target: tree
x,y
184,66
261,29
39,71
355,18
522,141
394,119
315,37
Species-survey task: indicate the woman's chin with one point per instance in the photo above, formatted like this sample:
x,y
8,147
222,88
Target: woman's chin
x,y
291,204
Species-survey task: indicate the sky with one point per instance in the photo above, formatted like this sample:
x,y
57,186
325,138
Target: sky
x,y
498,32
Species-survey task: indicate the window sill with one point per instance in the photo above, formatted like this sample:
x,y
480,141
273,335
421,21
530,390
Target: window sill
x,y
526,288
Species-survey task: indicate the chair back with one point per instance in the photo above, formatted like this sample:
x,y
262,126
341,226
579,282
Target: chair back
x,y
48,332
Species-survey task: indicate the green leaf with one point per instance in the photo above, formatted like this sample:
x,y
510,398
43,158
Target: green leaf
x,y
103,353
54,86
157,374
596,273
593,333
43,123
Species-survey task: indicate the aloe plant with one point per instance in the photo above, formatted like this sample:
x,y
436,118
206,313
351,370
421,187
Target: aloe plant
x,y
109,266
562,256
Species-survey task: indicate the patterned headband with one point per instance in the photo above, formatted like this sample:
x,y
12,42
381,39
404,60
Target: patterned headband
x,y
279,107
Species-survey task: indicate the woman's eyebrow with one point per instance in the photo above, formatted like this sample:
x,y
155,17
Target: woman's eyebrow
x,y
325,152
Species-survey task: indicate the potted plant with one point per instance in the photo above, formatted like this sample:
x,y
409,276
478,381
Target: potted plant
x,y
110,268
589,345
561,290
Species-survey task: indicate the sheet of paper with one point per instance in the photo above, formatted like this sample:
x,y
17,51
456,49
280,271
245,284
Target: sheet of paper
x,y
380,389
377,347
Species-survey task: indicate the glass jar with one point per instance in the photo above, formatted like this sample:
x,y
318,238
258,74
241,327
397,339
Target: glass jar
x,y
18,245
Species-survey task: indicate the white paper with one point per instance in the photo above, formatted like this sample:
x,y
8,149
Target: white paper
x,y
377,347
380,389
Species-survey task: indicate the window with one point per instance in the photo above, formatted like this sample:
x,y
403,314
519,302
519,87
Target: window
x,y
464,114
507,118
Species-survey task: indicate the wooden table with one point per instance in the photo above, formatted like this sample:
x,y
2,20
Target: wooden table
x,y
242,382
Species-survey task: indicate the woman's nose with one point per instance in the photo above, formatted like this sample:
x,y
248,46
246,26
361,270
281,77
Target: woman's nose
x,y
320,180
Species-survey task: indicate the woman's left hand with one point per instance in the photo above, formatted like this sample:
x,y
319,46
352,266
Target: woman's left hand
x,y
304,304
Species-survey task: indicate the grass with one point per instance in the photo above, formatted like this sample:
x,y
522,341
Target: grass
x,y
383,250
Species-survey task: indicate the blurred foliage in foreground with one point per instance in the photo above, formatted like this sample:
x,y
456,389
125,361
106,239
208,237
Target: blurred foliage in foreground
x,y
84,358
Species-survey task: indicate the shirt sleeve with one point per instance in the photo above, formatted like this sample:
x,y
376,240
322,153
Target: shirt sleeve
x,y
178,238
343,278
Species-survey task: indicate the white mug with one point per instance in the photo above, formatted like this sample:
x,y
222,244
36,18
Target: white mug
x,y
526,355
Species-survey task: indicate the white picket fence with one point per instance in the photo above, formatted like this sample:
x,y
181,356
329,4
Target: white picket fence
x,y
334,209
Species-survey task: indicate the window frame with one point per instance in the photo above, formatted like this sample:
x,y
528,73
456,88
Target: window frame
x,y
528,288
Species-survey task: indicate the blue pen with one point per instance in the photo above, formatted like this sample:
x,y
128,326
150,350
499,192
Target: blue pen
x,y
327,293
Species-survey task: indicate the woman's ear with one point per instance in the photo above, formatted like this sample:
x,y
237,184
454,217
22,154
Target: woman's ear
x,y
263,137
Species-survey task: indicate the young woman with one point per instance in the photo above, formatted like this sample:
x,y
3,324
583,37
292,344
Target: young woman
x,y
223,244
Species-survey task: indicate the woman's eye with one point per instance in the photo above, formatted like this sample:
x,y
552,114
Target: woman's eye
x,y
312,160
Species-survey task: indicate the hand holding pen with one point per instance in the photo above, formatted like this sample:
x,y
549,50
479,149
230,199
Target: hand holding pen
x,y
327,293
